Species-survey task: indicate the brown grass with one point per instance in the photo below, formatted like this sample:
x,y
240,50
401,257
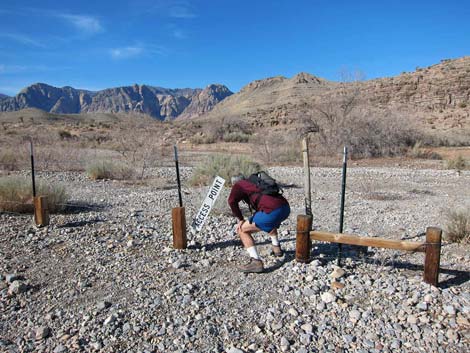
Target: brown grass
x,y
458,226
16,195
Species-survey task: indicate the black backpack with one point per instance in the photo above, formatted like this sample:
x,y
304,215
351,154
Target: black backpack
x,y
266,184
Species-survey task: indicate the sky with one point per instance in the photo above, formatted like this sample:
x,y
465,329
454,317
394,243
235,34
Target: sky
x,y
193,43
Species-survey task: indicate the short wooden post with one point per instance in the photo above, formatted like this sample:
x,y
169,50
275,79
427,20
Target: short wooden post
x,y
303,243
179,228
41,211
432,255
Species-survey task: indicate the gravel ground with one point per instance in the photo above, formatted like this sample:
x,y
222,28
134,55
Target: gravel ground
x,y
104,277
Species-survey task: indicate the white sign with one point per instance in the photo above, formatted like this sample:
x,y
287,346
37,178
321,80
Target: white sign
x,y
209,201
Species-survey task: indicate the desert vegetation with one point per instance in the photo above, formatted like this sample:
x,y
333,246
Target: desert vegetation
x,y
16,195
458,226
224,166
109,170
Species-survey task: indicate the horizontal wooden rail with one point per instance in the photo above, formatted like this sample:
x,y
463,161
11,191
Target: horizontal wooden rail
x,y
367,241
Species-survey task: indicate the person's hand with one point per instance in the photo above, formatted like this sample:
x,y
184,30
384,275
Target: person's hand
x,y
239,225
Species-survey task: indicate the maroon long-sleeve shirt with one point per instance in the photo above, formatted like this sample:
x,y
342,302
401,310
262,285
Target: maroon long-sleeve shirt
x,y
242,190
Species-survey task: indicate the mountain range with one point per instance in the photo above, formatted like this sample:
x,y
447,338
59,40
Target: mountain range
x,y
437,97
160,103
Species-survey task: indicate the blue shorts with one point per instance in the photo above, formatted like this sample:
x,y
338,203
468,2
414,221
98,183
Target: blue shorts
x,y
269,221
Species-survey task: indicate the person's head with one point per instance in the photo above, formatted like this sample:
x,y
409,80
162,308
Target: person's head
x,y
236,178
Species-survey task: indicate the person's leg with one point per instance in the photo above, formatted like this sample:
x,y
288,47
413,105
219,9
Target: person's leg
x,y
255,264
247,239
275,245
274,238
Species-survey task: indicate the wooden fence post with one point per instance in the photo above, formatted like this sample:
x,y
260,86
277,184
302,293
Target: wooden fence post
x,y
303,243
432,255
179,228
41,211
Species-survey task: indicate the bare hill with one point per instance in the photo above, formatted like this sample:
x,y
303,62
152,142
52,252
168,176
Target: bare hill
x,y
436,97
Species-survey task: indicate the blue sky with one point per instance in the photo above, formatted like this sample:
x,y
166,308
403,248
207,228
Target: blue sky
x,y
192,43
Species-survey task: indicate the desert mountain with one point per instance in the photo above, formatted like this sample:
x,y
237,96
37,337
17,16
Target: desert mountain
x,y
436,96
160,103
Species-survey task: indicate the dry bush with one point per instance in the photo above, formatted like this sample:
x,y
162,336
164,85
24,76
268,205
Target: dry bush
x,y
417,151
458,226
236,136
8,160
345,121
458,163
201,139
224,166
109,170
16,195
228,130
278,148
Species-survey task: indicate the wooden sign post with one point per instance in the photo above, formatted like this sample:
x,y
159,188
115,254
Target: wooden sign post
x,y
303,242
41,211
178,215
179,228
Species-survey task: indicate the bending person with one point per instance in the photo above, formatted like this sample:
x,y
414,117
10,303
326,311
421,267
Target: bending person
x,y
271,210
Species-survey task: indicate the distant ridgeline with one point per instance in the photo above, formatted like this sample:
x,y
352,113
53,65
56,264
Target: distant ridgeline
x,y
160,103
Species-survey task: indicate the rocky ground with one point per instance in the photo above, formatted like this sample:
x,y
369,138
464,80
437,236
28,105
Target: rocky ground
x,y
104,277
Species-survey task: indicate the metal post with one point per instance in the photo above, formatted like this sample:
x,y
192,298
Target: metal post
x,y
343,192
32,167
178,176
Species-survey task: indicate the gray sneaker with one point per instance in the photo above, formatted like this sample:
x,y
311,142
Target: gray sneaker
x,y
253,266
276,251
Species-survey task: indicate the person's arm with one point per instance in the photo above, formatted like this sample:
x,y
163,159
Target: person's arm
x,y
236,195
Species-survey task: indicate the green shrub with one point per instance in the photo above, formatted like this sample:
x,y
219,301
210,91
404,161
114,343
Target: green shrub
x,y
458,226
224,166
16,195
108,170
8,160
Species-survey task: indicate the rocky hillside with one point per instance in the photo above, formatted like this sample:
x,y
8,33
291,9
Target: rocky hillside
x,y
3,96
436,96
160,103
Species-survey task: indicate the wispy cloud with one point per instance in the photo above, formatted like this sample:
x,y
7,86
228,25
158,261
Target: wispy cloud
x,y
126,52
19,69
181,10
179,34
137,50
23,39
84,23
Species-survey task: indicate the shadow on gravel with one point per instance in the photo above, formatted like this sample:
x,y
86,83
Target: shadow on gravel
x,y
329,252
80,223
82,207
458,277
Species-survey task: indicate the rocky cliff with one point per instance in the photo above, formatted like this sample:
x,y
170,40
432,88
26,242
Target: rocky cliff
x,y
437,96
160,103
